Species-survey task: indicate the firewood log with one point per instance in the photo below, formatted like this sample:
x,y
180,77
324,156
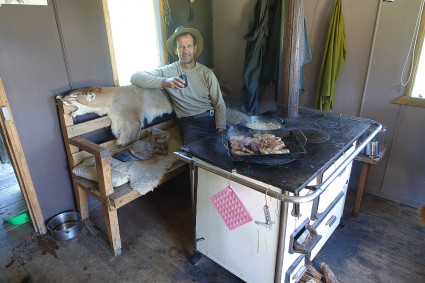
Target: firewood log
x,y
422,215
328,273
314,272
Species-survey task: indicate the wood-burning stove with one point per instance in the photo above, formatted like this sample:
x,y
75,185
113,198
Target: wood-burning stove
x,y
295,206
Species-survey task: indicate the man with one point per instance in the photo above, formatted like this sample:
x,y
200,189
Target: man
x,y
200,105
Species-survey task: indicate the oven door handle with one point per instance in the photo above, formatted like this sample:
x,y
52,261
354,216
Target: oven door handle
x,y
315,192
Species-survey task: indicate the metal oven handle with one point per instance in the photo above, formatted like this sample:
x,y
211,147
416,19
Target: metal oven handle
x,y
315,190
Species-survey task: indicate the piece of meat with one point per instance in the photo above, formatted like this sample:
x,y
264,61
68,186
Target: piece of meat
x,y
239,152
247,150
263,136
259,144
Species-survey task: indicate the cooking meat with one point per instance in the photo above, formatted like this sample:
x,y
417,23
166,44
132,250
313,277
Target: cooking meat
x,y
263,136
258,144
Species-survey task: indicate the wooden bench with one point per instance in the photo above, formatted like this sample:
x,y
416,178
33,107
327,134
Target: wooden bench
x,y
111,198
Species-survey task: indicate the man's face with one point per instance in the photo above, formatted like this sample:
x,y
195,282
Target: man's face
x,y
185,49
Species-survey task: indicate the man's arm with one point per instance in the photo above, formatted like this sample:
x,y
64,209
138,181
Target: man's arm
x,y
149,79
156,79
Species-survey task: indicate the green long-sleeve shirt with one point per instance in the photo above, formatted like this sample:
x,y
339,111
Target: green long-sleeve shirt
x,y
202,93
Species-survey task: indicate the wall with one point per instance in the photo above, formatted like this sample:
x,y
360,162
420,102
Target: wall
x,y
399,175
231,21
201,21
33,71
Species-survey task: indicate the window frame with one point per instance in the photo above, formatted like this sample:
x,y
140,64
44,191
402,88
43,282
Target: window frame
x,y
407,99
161,31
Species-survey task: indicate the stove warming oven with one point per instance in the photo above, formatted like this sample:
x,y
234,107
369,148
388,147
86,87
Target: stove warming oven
x,y
287,211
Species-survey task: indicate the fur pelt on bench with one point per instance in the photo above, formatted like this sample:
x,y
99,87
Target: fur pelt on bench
x,y
143,176
127,106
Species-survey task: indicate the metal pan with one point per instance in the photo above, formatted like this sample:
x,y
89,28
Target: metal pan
x,y
268,117
290,137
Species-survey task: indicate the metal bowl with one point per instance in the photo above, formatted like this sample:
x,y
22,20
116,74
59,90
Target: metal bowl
x,y
265,118
65,226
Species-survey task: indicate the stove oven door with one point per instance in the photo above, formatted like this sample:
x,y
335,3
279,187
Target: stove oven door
x,y
296,270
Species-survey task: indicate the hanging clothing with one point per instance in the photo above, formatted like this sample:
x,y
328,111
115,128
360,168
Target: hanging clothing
x,y
306,57
270,66
263,53
333,61
255,46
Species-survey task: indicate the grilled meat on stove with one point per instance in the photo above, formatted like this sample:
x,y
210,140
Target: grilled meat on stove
x,y
258,144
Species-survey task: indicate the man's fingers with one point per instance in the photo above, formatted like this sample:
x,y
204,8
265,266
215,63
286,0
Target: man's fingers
x,y
178,83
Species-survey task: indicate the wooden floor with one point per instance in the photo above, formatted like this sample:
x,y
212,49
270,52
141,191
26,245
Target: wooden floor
x,y
384,244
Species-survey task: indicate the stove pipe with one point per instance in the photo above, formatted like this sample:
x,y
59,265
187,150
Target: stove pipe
x,y
290,58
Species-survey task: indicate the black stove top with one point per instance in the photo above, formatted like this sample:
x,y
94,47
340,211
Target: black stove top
x,y
315,136
328,136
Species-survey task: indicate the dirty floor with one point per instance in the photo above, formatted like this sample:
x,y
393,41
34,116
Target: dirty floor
x,y
383,244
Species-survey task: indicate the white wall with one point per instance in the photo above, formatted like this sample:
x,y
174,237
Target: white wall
x,y
399,176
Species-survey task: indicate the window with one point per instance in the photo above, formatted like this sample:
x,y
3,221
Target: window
x,y
134,38
415,89
24,2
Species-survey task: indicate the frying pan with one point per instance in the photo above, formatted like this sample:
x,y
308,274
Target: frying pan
x,y
290,137
264,118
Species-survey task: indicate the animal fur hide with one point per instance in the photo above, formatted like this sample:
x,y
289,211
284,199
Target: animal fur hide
x,y
145,175
127,106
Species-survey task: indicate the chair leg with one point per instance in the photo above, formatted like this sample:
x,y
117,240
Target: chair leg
x,y
112,227
82,203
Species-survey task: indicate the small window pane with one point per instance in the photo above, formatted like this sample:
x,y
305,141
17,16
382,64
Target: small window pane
x,y
419,86
134,35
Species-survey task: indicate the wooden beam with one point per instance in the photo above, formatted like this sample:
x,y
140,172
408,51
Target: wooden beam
x,y
89,126
91,147
163,32
289,82
110,41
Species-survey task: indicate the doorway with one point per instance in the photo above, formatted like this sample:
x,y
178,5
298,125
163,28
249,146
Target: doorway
x,y
12,202
15,154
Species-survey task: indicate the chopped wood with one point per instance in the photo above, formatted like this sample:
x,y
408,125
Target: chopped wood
x,y
314,271
422,215
328,273
311,275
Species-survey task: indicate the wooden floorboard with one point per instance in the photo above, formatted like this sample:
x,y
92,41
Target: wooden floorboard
x,y
11,198
383,244
10,194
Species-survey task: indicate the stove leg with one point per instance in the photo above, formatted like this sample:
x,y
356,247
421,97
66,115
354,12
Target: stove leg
x,y
195,257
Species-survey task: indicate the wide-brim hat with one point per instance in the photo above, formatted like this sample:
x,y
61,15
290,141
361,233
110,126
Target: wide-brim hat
x,y
194,32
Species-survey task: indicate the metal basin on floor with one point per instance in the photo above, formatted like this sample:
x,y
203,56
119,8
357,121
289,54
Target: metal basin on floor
x,y
65,226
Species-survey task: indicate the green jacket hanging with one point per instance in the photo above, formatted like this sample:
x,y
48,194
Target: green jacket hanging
x,y
333,61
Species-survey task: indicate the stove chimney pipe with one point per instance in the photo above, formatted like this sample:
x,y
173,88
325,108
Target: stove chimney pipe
x,y
290,58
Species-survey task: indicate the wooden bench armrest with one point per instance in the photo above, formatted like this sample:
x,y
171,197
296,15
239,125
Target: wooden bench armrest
x,y
103,163
90,147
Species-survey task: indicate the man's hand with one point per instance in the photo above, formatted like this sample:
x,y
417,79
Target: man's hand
x,y
219,130
175,82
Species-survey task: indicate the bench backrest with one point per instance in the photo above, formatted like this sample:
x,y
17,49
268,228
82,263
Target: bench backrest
x,y
70,130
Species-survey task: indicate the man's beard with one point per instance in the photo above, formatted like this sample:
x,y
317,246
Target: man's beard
x,y
186,62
